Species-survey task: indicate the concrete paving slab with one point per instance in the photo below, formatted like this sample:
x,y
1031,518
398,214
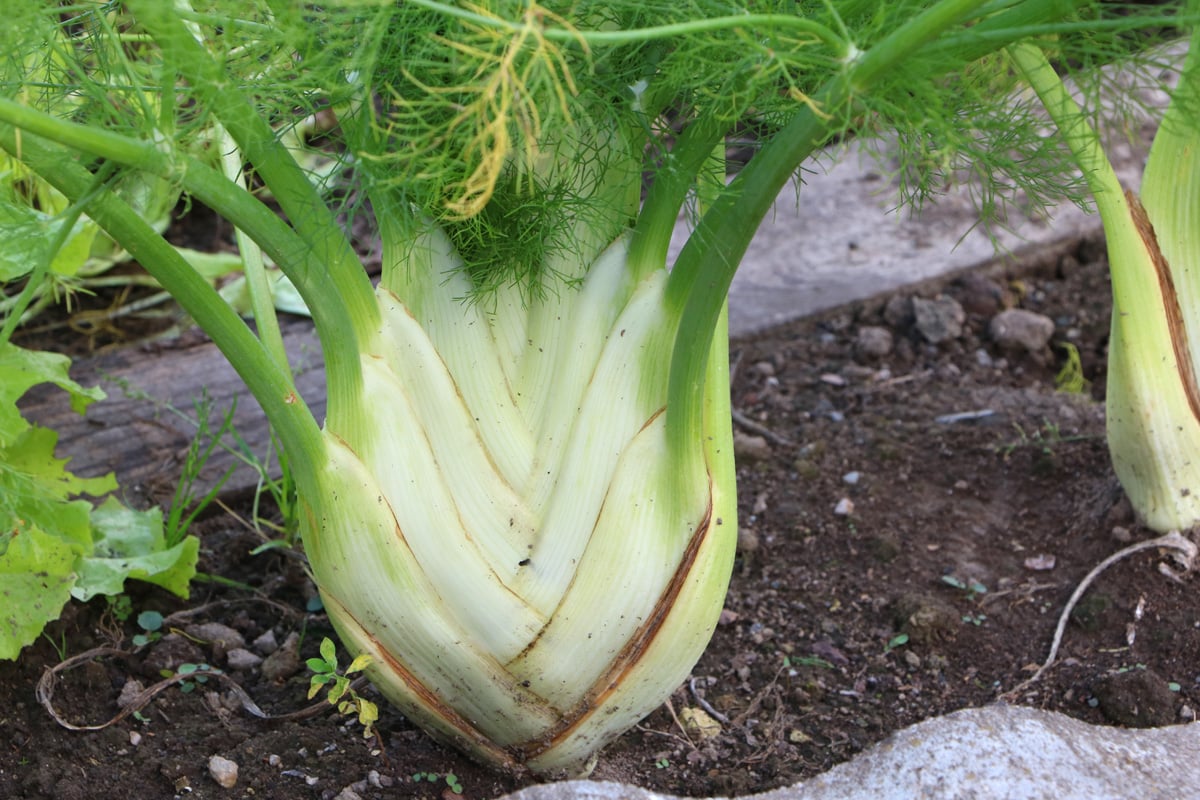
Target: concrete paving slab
x,y
840,238
996,753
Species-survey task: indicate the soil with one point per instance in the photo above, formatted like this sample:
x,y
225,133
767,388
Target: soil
x,y
914,516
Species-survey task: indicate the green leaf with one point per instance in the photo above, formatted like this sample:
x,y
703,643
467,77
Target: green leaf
x,y
131,544
329,653
321,667
150,620
21,369
35,491
360,663
36,576
338,690
26,233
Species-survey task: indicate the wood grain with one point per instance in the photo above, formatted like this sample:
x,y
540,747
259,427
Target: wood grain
x,y
135,433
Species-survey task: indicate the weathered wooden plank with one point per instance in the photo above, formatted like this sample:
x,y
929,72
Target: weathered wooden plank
x,y
135,433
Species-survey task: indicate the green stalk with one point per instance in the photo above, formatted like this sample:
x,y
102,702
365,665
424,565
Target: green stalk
x,y
305,208
1079,136
666,196
271,385
261,303
700,280
636,35
284,245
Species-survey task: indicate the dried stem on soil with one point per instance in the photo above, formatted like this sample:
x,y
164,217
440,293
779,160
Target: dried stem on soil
x,y
1187,555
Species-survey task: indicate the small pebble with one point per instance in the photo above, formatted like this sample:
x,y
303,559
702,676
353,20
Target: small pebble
x,y
266,643
873,342
750,448
274,760
348,794
899,311
135,738
129,693
284,662
1122,534
240,658
940,319
223,771
1019,329
222,638
764,368
747,540
844,507
851,478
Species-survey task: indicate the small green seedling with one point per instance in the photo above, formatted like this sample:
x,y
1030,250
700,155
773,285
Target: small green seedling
x,y
120,606
974,619
151,623
325,673
806,661
1070,378
662,763
197,677
972,587
899,640
452,782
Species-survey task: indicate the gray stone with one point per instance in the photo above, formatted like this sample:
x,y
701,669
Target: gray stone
x,y
221,638
750,448
899,311
284,662
242,659
223,771
1019,329
940,319
996,753
873,342
266,643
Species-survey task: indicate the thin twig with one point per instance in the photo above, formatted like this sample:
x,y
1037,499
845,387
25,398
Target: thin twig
x,y
1172,540
712,712
678,724
761,430
45,692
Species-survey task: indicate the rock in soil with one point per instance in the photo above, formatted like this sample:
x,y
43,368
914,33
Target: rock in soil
x,y
223,771
1137,698
1018,329
940,319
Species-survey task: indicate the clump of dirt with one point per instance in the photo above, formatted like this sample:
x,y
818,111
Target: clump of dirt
x,y
917,504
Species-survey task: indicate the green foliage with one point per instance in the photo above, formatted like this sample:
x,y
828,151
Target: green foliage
x,y
151,623
1070,378
197,676
54,545
452,781
186,506
970,587
340,694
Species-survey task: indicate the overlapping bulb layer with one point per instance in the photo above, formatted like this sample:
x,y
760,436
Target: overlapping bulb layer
x,y
531,565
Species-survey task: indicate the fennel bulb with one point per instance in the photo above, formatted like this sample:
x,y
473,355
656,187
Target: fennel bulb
x,y
521,501
1152,400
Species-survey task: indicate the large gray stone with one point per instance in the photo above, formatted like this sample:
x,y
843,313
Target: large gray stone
x,y
1000,752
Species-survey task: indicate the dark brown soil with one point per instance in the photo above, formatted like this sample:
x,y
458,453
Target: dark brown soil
x,y
839,628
